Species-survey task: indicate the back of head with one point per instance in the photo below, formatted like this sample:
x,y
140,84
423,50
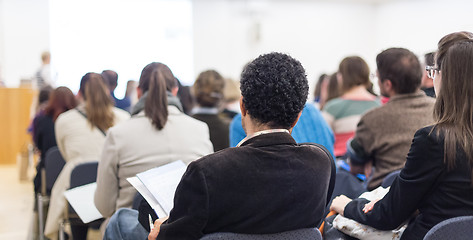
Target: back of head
x,y
447,41
46,57
354,71
98,104
402,67
111,79
333,88
208,88
274,88
318,85
155,80
62,99
44,94
231,92
429,59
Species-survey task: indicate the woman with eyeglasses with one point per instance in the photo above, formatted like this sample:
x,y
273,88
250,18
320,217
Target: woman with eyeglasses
x,y
436,182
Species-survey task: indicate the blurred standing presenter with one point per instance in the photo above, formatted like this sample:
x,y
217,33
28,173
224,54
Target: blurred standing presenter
x,y
45,75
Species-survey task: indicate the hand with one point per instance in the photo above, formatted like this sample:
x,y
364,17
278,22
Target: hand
x,y
157,226
369,206
339,203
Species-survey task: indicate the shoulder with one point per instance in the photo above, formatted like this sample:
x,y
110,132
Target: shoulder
x,y
334,103
317,150
120,113
68,116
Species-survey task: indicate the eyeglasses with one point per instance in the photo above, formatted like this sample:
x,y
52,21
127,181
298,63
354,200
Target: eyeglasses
x,y
431,71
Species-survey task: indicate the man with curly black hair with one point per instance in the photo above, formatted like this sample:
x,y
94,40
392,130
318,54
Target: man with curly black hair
x,y
274,89
268,183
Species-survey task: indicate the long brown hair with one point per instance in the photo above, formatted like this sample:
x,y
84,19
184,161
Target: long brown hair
x,y
156,78
98,102
453,107
60,100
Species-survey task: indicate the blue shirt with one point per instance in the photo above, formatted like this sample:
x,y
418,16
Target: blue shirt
x,y
311,127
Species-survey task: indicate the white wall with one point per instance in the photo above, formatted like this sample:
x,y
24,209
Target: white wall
x,y
24,33
229,33
419,25
319,34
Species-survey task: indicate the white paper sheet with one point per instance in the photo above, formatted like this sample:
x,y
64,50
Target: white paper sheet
x,y
82,200
147,195
162,183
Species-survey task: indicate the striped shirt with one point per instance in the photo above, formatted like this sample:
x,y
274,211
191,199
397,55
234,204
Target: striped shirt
x,y
343,114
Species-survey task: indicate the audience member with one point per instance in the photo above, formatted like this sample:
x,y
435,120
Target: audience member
x,y
130,92
80,135
231,98
333,89
212,196
157,133
428,83
208,93
61,99
343,113
111,78
320,91
185,96
45,76
436,182
384,134
41,103
244,189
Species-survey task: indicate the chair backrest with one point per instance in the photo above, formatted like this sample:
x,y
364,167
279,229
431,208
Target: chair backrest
x,y
136,201
453,228
54,162
84,173
298,234
389,179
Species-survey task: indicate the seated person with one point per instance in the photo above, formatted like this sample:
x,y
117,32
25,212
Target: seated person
x,y
383,135
208,92
268,183
157,133
436,180
343,113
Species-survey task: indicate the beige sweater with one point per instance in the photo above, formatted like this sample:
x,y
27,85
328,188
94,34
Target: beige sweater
x,y
78,142
386,133
136,145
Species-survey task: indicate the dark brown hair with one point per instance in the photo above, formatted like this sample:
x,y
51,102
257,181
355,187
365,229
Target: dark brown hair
x,y
61,99
155,79
333,89
354,71
208,88
447,41
98,102
453,106
401,67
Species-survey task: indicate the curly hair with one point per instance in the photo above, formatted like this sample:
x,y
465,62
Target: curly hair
x,y
274,87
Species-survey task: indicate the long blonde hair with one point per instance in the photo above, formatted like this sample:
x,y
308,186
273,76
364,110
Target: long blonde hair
x,y
98,102
453,109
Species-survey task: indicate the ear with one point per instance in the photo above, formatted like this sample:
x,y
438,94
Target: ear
x,y
388,85
298,116
139,93
174,90
242,107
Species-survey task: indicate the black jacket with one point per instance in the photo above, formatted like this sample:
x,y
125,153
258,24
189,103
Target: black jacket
x,y
269,184
424,184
